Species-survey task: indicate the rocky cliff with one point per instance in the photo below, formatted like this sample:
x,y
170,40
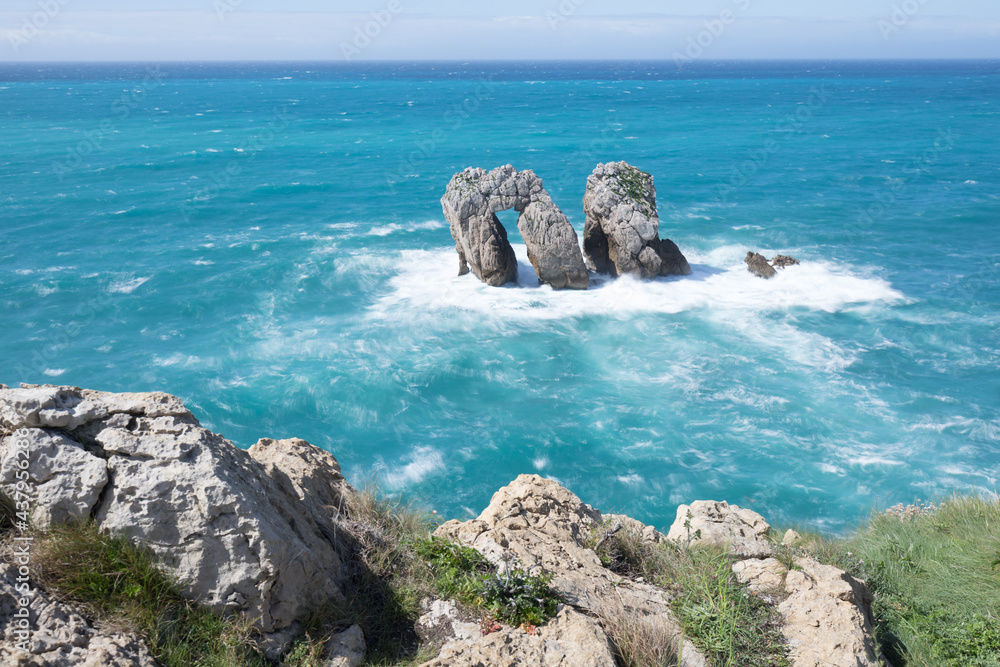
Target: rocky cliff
x,y
266,534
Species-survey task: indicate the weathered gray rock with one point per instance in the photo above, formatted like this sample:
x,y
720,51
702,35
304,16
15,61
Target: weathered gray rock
x,y
542,523
346,648
826,613
649,533
782,261
243,535
828,618
60,635
758,265
742,531
791,538
553,247
470,204
569,640
762,575
621,235
442,623
67,479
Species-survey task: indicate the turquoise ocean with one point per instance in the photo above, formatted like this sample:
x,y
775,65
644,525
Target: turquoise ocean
x,y
267,242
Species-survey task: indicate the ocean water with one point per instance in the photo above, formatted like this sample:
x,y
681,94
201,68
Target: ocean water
x,y
267,242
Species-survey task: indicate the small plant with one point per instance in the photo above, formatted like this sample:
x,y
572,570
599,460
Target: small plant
x,y
516,597
687,529
457,570
909,512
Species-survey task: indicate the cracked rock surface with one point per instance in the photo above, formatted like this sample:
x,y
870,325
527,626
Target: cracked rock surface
x,y
244,531
61,637
621,236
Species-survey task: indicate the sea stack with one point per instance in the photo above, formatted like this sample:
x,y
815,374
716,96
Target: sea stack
x,y
622,229
470,204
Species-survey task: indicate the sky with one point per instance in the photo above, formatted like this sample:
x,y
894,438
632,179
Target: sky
x,y
170,30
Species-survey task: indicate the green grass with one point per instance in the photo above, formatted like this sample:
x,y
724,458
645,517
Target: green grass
x,y
633,183
515,597
731,626
115,580
935,580
456,570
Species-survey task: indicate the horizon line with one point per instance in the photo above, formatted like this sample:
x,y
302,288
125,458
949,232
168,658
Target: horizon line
x,y
341,61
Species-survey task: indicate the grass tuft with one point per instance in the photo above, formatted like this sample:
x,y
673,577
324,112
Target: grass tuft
x,y
932,570
731,626
113,579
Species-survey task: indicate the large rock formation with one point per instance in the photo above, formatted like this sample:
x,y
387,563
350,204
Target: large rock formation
x,y
257,536
470,204
622,229
268,533
542,523
758,265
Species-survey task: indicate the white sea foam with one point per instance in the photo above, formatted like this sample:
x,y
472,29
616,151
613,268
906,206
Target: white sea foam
x,y
54,372
392,228
423,461
127,285
720,282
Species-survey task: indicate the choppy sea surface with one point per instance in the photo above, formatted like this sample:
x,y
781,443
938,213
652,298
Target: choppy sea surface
x,y
267,242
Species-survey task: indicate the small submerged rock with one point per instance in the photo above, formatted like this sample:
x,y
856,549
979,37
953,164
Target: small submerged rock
x,y
759,265
781,261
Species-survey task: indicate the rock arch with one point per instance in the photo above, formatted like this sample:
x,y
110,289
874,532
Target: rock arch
x,y
470,204
621,236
